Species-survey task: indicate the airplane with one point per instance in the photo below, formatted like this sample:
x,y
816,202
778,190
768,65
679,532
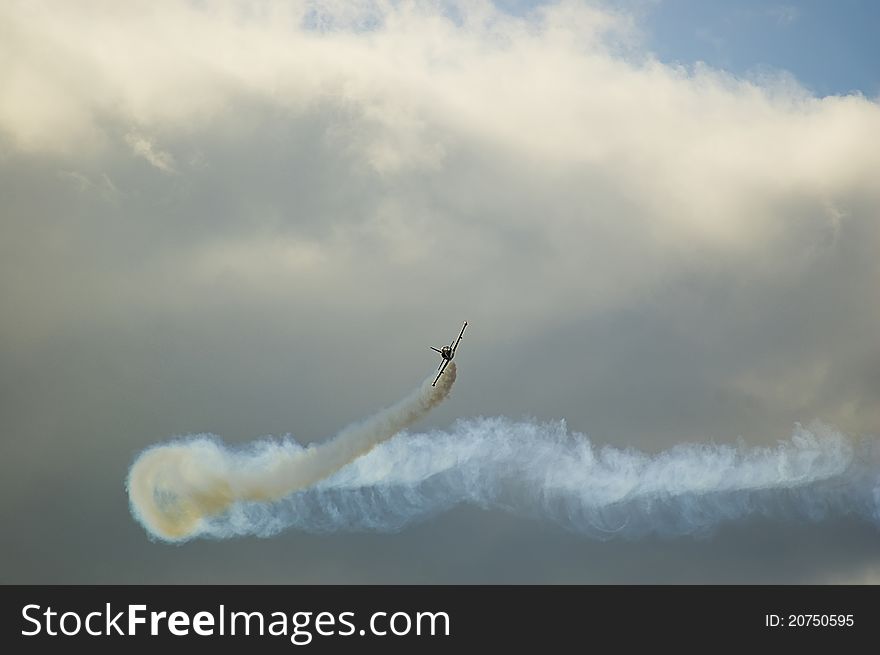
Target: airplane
x,y
447,353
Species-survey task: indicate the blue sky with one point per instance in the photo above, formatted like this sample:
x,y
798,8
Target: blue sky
x,y
830,47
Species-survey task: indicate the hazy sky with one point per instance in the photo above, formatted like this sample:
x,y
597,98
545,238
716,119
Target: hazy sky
x,y
661,220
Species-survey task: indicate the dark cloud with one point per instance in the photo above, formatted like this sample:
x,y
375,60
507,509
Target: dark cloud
x,y
653,256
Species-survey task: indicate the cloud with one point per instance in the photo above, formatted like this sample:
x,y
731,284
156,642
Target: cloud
x,y
564,170
546,154
143,147
672,253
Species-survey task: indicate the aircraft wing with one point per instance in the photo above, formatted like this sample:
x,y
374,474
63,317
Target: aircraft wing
x,y
460,335
442,368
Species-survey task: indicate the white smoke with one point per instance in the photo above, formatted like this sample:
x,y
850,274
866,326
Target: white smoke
x,y
545,471
175,489
539,470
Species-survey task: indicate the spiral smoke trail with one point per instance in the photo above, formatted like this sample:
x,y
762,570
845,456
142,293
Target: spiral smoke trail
x,y
176,488
363,479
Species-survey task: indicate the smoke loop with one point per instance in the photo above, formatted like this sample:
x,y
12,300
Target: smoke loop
x,y
365,480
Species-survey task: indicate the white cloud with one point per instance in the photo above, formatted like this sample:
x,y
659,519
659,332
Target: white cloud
x,y
550,88
143,147
562,170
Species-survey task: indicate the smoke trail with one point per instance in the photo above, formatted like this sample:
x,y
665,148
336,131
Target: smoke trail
x,y
533,469
176,488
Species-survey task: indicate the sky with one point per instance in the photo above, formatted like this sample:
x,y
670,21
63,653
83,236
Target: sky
x,y
660,219
827,47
